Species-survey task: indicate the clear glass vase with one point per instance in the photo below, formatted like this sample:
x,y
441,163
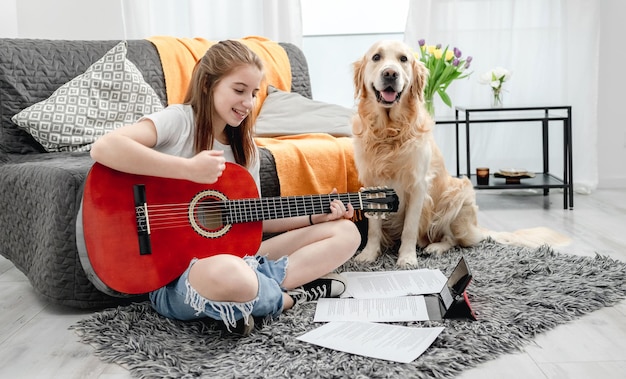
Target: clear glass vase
x,y
430,106
496,98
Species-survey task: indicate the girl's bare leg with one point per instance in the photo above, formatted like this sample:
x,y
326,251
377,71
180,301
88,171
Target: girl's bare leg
x,y
313,251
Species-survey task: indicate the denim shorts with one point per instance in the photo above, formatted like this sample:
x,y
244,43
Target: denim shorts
x,y
178,300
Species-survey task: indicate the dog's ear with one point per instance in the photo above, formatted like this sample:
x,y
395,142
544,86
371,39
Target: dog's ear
x,y
359,84
420,76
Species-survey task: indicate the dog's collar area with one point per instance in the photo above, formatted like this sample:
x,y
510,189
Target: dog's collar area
x,y
388,96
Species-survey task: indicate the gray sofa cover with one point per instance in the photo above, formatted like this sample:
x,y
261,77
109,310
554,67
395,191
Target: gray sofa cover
x,y
41,191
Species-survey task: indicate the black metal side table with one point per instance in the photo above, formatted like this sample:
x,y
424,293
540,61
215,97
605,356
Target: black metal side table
x,y
543,114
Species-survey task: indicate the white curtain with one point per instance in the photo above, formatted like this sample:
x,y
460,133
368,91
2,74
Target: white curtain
x,y
278,20
552,48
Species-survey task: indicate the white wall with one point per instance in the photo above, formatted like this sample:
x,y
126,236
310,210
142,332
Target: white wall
x,y
612,84
341,31
341,17
8,19
61,19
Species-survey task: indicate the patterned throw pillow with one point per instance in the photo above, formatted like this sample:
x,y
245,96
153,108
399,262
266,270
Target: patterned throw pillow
x,y
111,93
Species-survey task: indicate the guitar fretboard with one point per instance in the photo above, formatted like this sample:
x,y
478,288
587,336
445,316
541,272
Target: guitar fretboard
x,y
268,208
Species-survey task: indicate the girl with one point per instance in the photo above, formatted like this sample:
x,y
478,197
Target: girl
x,y
193,141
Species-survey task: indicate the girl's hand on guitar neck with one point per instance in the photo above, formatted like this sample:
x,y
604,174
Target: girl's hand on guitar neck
x,y
206,166
338,210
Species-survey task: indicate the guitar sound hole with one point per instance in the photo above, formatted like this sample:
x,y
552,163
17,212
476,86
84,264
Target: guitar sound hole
x,y
208,214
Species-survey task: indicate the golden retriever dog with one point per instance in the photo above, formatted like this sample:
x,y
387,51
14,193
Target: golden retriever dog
x,y
394,147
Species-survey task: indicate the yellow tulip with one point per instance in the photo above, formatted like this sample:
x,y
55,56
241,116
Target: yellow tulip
x,y
443,70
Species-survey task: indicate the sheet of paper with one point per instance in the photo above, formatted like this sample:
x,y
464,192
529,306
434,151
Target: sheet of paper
x,y
390,342
394,309
380,284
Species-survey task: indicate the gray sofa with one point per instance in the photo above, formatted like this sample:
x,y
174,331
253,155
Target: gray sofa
x,y
41,191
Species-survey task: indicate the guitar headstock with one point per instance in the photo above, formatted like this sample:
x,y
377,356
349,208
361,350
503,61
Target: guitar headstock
x,y
378,201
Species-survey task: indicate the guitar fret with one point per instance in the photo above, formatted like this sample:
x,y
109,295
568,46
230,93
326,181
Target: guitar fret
x,y
293,205
271,208
298,203
319,203
235,211
302,206
277,212
240,210
289,205
249,210
262,210
267,211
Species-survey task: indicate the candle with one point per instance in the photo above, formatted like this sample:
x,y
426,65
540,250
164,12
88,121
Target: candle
x,y
482,175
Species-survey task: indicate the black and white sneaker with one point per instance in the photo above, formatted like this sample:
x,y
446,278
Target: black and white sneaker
x,y
331,285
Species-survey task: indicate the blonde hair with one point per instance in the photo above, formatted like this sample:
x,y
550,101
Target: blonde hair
x,y
219,61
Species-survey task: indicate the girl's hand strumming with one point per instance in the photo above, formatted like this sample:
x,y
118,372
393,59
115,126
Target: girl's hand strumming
x,y
206,166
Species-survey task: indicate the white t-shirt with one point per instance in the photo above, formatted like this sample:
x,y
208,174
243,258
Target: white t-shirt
x,y
175,129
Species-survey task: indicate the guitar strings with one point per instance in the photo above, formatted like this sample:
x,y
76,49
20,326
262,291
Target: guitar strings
x,y
215,212
169,217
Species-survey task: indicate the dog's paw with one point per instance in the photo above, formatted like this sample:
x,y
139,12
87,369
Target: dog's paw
x,y
367,255
437,248
407,258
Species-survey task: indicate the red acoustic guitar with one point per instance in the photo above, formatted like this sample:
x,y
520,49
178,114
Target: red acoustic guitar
x,y
140,232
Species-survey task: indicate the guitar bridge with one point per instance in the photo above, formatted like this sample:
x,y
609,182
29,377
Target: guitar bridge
x,y
141,217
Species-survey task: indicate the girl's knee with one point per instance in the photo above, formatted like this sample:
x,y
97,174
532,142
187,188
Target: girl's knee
x,y
224,277
352,230
348,234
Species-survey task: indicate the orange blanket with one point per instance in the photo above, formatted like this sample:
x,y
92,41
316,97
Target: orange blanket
x,y
313,163
179,56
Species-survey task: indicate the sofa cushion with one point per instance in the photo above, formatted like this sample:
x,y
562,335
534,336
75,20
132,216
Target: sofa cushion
x,y
285,113
110,93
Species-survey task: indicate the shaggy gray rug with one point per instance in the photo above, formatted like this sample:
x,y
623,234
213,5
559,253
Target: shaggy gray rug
x,y
516,293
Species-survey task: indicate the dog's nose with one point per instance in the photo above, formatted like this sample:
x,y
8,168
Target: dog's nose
x,y
390,74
